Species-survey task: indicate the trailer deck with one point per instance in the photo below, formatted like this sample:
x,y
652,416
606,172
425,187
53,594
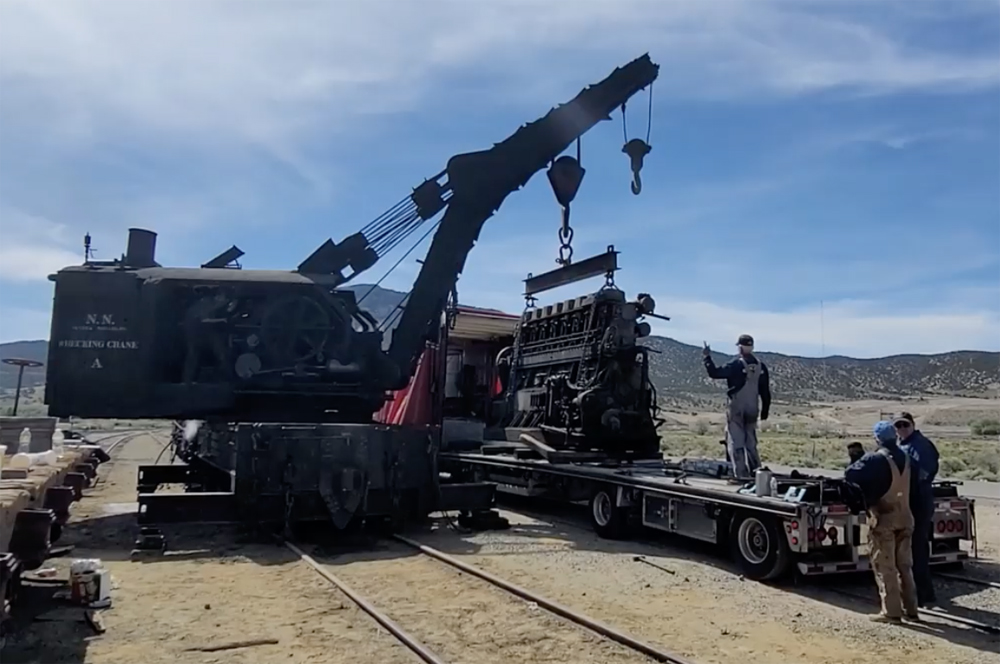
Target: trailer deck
x,y
811,524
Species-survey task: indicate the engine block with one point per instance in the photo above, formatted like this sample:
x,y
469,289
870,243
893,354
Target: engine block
x,y
579,374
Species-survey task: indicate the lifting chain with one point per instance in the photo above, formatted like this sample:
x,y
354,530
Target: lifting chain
x,y
609,279
565,176
565,242
515,357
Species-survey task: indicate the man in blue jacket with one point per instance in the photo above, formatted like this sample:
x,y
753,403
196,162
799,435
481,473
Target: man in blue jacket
x,y
924,459
885,479
749,395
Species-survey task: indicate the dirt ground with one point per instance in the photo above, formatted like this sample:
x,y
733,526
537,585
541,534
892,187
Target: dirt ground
x,y
708,613
221,591
227,593
468,620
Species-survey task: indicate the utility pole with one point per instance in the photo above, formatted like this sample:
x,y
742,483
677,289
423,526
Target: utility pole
x,y
822,353
822,334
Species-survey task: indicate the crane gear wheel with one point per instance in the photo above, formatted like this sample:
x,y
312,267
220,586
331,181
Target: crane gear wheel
x,y
296,329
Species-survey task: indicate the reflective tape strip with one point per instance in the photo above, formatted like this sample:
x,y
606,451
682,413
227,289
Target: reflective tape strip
x,y
814,569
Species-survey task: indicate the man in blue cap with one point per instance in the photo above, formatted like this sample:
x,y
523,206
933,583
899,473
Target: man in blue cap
x,y
884,478
924,459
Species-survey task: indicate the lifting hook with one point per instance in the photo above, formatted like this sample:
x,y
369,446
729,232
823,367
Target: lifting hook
x,y
565,176
636,149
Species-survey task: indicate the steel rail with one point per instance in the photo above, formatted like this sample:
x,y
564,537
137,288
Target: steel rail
x,y
121,441
406,639
558,609
967,579
937,613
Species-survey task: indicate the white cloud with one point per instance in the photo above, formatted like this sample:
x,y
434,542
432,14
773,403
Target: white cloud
x,y
31,248
855,329
270,73
949,317
847,328
220,80
894,137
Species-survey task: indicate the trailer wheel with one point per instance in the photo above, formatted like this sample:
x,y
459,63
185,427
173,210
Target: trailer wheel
x,y
609,520
758,546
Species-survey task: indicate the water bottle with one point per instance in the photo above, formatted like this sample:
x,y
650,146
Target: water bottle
x,y
24,440
58,438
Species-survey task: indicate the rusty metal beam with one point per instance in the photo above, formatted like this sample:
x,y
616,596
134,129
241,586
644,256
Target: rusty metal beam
x,y
585,269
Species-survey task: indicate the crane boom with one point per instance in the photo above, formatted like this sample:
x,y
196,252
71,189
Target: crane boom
x,y
478,183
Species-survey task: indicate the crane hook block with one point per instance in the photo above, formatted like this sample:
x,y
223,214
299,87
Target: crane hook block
x,y
636,149
565,176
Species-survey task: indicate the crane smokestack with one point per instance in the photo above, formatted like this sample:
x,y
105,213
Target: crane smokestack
x,y
141,250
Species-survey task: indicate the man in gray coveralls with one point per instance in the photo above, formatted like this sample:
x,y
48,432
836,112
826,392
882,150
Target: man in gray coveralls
x,y
748,382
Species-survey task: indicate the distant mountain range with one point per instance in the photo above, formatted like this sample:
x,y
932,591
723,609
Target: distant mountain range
x,y
678,373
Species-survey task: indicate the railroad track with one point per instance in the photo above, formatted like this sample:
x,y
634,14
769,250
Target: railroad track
x,y
121,441
967,579
469,602
941,614
124,437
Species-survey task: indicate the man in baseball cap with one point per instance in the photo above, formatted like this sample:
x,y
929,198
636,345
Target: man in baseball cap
x,y
749,395
924,460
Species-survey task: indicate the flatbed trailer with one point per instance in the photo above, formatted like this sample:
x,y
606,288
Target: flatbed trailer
x,y
804,527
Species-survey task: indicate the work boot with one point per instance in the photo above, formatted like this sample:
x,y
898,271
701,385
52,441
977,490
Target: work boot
x,y
914,617
883,618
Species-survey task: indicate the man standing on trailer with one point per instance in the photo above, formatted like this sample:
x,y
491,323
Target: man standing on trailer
x,y
884,478
924,458
749,394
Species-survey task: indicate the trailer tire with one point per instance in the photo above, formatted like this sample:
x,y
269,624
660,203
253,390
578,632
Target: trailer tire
x,y
758,546
609,520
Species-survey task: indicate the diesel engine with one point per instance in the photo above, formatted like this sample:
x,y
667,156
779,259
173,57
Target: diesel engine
x,y
578,373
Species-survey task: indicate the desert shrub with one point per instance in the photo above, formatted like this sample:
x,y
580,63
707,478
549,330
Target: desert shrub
x,y
985,462
821,431
701,427
952,467
986,427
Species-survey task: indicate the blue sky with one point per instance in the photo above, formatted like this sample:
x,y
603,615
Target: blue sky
x,y
824,175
